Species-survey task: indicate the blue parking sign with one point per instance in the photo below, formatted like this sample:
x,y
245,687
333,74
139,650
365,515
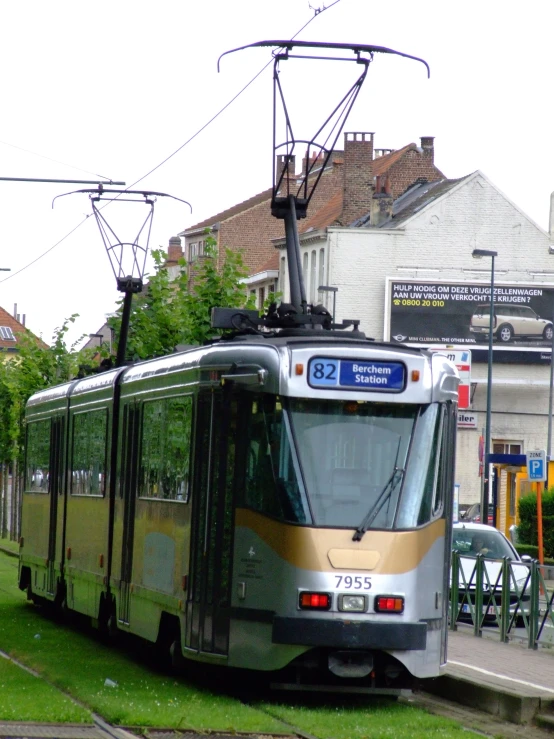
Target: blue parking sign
x,y
536,465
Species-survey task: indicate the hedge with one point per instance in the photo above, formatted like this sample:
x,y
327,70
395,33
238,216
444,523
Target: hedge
x,y
533,552
527,529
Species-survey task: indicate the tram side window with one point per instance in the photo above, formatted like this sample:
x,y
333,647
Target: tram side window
x,y
37,457
445,480
428,500
271,483
165,449
88,466
421,501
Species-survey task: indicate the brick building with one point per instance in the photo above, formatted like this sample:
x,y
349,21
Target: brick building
x,y
344,193
11,329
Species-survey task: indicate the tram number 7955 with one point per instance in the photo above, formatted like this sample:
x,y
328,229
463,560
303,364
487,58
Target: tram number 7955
x,y
355,582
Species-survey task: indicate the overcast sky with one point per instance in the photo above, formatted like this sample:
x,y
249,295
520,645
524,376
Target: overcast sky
x,y
114,89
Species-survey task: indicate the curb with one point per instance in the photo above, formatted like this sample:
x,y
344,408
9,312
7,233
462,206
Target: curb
x,y
506,704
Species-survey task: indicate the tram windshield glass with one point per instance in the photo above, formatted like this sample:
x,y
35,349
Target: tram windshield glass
x,y
344,463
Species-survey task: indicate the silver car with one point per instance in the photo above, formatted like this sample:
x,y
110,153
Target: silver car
x,y
509,322
472,539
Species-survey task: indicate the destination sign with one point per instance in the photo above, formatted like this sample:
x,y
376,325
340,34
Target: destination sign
x,y
348,374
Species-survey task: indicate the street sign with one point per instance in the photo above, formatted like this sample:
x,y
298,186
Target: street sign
x,y
467,420
462,360
536,465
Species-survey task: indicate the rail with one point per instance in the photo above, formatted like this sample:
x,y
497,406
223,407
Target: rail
x,y
480,588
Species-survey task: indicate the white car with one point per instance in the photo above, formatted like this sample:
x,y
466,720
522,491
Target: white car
x,y
469,540
509,322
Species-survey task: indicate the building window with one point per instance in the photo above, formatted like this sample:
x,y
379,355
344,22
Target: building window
x,y
193,251
7,333
305,271
321,278
313,259
282,276
261,300
499,446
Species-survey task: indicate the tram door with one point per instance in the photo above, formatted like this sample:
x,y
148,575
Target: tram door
x,y
55,488
209,596
131,424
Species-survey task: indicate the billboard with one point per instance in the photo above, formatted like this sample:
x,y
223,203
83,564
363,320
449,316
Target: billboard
x,y
457,314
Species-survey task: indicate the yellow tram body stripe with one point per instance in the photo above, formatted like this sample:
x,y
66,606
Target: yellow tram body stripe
x,y
381,552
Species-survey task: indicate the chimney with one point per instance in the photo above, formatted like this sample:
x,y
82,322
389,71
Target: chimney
x,y
357,176
428,147
312,161
283,161
381,203
174,251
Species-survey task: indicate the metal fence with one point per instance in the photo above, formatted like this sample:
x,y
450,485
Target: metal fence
x,y
515,597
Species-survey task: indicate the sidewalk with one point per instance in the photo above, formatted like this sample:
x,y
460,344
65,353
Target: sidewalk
x,y
506,680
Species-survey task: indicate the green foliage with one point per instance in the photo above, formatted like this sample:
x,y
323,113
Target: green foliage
x,y
527,528
171,312
531,549
36,366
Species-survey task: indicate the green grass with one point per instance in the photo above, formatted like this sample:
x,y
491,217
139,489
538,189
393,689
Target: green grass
x,y
24,697
79,664
9,546
367,719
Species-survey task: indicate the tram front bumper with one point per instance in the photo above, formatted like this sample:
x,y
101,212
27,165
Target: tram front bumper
x,y
349,634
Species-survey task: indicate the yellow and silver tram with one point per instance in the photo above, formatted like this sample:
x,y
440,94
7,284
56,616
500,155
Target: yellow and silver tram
x,y
277,500
277,503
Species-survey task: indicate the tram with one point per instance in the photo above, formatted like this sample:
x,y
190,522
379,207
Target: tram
x,y
277,500
276,503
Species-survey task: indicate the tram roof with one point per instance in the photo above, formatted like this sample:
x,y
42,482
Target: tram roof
x,y
225,351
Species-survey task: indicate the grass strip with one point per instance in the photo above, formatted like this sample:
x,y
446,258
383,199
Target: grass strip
x,y
79,664
371,718
142,697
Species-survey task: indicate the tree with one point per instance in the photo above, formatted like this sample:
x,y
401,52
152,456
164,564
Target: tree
x,y
168,313
35,367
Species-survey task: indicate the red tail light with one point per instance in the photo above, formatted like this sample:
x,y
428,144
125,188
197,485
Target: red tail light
x,y
389,604
315,601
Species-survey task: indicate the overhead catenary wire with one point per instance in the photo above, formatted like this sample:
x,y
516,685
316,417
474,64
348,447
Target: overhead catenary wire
x,y
56,161
317,12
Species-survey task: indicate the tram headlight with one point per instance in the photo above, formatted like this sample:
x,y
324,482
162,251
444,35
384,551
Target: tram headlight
x,y
352,603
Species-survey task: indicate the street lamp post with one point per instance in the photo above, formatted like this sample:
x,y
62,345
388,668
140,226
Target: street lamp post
x,y
485,493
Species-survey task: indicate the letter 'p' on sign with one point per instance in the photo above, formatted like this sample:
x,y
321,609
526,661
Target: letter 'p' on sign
x,y
536,465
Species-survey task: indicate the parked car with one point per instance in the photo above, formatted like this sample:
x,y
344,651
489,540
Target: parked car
x,y
473,514
471,539
509,322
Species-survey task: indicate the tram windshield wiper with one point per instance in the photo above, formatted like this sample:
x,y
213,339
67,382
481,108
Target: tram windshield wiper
x,y
385,494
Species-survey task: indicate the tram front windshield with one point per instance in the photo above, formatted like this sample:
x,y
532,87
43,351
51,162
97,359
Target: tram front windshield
x,y
343,463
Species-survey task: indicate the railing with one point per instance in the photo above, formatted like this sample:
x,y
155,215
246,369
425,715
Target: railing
x,y
480,589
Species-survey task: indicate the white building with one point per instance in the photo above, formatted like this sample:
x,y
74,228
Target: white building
x,y
424,239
